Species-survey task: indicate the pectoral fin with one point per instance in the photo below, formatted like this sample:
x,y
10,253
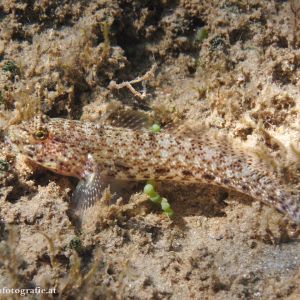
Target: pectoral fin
x,y
90,188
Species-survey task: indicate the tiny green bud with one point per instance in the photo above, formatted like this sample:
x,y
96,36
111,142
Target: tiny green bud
x,y
155,128
152,182
165,204
169,213
148,189
156,199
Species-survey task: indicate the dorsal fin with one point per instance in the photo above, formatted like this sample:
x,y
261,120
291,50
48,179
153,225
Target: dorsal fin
x,y
188,128
118,115
132,119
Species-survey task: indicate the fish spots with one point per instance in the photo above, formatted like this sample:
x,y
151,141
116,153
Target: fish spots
x,y
121,166
187,173
208,177
56,139
169,177
245,188
225,181
271,198
162,170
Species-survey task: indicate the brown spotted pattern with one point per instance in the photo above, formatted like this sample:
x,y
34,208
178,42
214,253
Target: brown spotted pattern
x,y
140,155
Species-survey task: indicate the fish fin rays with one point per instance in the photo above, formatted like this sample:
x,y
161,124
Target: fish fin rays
x,y
118,115
90,188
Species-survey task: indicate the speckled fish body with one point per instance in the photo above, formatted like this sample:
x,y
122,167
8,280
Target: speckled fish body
x,y
93,152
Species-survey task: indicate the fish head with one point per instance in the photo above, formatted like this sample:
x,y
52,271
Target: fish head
x,y
51,143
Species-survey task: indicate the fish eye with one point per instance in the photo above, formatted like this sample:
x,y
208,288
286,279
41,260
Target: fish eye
x,y
41,134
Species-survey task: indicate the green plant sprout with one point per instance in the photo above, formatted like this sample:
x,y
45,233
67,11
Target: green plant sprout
x,y
154,196
155,128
